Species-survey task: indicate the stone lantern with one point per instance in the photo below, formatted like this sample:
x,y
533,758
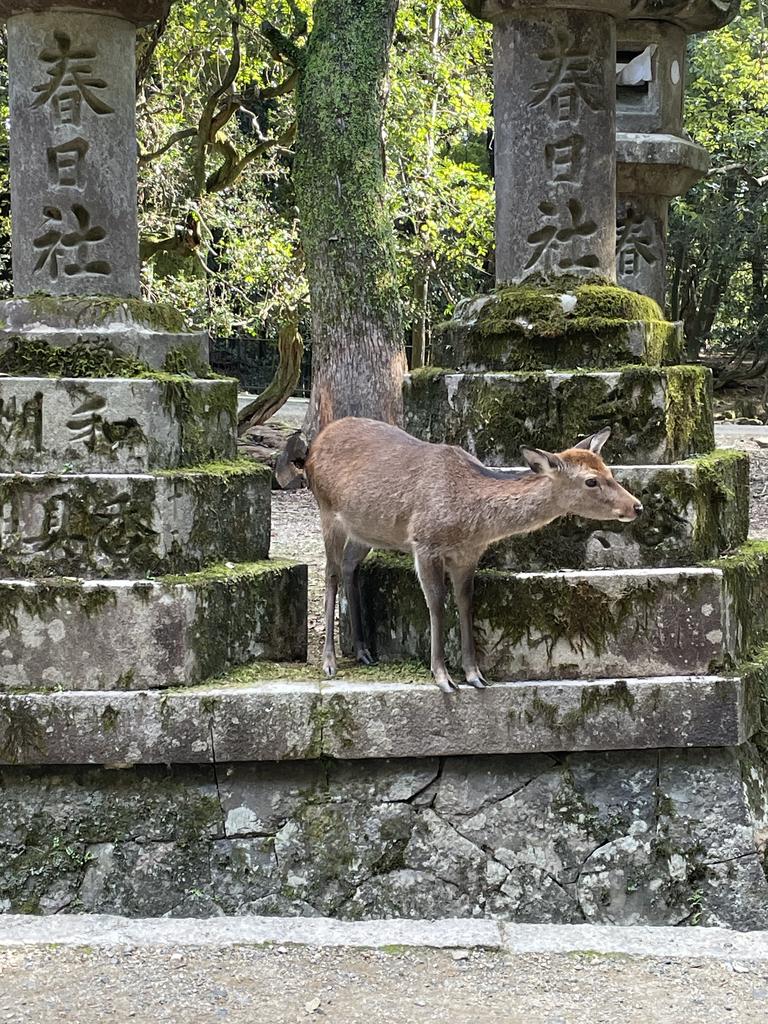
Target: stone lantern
x,y
655,159
72,70
118,483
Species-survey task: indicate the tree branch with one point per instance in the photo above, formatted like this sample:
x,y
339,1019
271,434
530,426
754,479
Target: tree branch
x,y
187,133
232,168
281,45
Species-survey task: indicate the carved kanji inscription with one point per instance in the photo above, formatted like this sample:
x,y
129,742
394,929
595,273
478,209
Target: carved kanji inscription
x,y
73,82
60,249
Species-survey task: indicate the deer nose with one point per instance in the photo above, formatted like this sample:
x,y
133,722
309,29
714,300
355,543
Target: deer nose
x,y
638,508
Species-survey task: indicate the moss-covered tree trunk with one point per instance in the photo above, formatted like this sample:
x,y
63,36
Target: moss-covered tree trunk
x,y
357,342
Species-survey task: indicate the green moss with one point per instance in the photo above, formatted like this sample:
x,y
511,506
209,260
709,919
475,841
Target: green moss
x,y
32,357
522,327
92,310
227,573
280,671
109,718
745,574
47,595
222,471
21,733
493,414
689,417
515,610
595,698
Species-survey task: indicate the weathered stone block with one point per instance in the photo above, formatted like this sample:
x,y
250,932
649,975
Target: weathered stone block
x,y
625,837
113,525
95,336
114,425
570,625
556,327
122,635
693,511
658,164
271,721
656,416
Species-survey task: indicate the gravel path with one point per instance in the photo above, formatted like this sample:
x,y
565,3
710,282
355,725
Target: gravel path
x,y
296,534
246,985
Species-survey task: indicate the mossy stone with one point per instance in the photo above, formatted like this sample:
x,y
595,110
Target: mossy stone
x,y
571,325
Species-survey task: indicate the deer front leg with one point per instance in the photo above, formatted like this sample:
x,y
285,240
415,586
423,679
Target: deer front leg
x,y
353,555
431,573
331,591
463,580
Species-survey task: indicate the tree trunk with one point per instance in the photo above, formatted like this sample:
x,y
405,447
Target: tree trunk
x,y
282,385
358,354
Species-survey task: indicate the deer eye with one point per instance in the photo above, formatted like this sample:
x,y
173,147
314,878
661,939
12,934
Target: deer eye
x,y
591,482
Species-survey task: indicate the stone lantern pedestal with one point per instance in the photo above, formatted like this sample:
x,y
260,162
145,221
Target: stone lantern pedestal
x,y
124,559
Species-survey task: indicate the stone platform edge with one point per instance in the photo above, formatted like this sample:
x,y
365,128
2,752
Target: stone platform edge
x,y
394,936
280,720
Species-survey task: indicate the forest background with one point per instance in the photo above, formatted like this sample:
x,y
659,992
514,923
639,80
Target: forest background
x,y
219,220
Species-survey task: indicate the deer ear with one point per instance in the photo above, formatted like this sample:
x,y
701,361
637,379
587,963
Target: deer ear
x,y
540,461
594,443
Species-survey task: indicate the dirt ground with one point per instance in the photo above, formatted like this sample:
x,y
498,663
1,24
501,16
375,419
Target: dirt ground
x,y
283,985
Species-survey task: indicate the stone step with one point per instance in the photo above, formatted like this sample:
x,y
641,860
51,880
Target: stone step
x,y
117,525
580,624
173,631
114,425
45,333
656,415
281,720
694,511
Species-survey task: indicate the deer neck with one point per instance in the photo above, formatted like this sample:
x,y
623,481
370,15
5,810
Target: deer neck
x,y
519,506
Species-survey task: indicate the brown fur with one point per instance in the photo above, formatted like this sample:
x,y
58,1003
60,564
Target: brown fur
x,y
378,487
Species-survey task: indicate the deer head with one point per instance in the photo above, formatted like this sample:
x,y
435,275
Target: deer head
x,y
582,483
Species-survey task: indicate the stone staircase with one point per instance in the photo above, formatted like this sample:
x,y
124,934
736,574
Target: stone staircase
x,y
133,544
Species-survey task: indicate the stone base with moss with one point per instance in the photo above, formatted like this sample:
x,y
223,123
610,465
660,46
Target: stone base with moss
x,y
123,634
547,327
121,525
670,837
693,511
656,415
585,624
115,425
40,330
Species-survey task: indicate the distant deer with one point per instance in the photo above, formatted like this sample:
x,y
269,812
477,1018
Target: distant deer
x,y
378,487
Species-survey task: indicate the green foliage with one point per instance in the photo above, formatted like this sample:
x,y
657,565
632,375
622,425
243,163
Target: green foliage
x,y
719,230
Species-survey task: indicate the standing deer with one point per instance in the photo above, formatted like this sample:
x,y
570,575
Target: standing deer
x,y
378,487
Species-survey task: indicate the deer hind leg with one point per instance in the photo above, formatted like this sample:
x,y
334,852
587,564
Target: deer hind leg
x,y
334,547
463,580
431,573
354,553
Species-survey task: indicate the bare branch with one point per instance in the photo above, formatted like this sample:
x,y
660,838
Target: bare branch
x,y
232,168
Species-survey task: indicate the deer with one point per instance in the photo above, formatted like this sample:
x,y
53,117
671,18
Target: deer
x,y
378,487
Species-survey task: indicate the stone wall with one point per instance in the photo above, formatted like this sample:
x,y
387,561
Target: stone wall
x,y
627,837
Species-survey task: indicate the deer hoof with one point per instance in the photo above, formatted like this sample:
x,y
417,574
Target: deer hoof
x,y
445,683
329,667
477,679
365,657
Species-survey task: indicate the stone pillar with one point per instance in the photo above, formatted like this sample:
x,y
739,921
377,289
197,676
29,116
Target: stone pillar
x,y
72,71
73,153
554,144
655,159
